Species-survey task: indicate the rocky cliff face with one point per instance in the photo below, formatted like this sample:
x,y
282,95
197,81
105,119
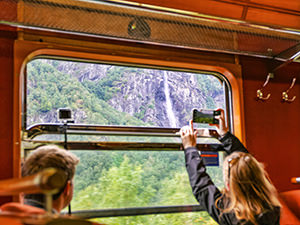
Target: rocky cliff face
x,y
82,71
159,98
147,94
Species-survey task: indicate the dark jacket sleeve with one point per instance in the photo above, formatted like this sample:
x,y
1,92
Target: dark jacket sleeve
x,y
202,186
230,144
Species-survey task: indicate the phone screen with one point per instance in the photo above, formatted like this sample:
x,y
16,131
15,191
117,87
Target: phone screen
x,y
205,116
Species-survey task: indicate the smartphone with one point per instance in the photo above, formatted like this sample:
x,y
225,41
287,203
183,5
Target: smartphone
x,y
205,116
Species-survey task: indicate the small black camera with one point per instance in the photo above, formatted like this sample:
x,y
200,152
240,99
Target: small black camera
x,y
64,114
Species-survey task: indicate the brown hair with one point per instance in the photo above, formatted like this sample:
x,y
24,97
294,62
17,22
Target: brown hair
x,y
50,156
250,189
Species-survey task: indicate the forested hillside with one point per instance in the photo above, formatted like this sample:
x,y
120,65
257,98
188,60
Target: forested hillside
x,y
118,95
49,89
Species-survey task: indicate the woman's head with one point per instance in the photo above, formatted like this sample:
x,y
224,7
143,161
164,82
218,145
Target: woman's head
x,y
241,167
247,186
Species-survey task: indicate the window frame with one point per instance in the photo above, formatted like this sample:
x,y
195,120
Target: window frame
x,y
25,52
233,81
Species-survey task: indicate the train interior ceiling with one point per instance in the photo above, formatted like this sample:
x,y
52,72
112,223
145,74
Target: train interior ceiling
x,y
251,46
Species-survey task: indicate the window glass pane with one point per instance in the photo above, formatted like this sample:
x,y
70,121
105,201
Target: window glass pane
x,y
117,95
123,179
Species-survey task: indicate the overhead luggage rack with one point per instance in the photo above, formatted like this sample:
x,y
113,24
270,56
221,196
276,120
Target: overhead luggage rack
x,y
158,26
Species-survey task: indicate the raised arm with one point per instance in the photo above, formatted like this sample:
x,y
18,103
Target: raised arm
x,y
203,188
230,143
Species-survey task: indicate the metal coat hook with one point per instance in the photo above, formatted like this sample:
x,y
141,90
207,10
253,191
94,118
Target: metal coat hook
x,y
285,96
259,93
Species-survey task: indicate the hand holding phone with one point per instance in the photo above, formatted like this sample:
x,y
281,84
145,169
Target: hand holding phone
x,y
222,127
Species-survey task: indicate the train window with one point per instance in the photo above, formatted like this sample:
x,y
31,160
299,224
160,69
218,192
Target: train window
x,y
124,128
117,95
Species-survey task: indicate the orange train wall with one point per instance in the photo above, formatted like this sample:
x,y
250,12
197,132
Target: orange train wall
x,y
6,104
272,126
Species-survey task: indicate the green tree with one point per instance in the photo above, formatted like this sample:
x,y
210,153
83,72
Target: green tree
x,y
177,191
117,188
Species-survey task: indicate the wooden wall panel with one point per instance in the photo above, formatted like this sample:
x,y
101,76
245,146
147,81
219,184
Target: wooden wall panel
x,y
271,17
268,12
8,10
272,126
287,4
211,7
6,106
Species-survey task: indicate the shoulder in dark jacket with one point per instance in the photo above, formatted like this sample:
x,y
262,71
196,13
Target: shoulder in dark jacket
x,y
207,193
229,144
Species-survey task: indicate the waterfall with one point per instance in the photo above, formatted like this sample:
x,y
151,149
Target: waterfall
x,y
170,113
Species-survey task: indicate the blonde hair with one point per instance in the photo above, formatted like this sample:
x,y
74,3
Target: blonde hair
x,y
250,189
